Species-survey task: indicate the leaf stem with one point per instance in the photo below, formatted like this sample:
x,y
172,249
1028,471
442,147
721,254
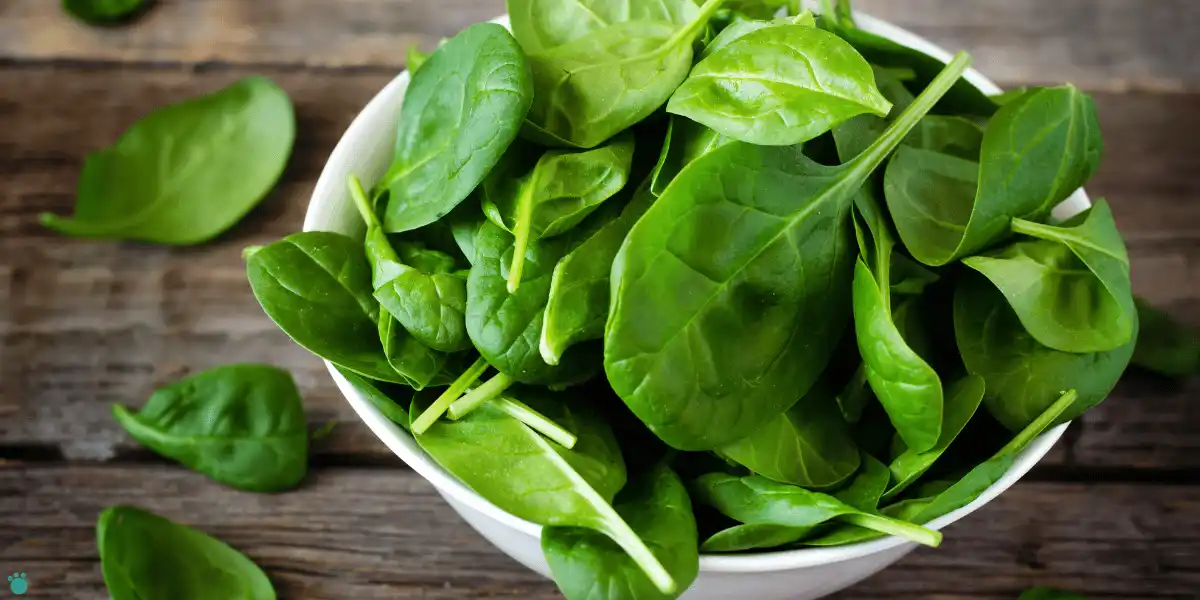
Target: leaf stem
x,y
456,389
362,203
536,421
478,396
1039,424
1036,230
521,226
896,527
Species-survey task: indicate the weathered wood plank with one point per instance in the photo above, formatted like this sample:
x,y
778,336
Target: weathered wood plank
x,y
391,536
84,324
1096,43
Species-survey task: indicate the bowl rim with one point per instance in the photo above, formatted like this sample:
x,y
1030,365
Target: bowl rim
x,y
330,188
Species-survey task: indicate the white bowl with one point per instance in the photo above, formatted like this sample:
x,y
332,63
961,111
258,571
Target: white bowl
x,y
366,150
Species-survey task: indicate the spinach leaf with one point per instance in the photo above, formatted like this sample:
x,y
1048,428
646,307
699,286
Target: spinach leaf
x,y
143,555
1071,286
553,195
855,396
587,564
754,537
909,277
762,9
962,400
1036,151
392,409
577,308
322,273
417,363
1164,345
597,85
809,445
414,58
846,533
742,26
686,141
746,322
748,91
98,12
506,328
522,473
242,425
1022,376
545,24
431,306
758,500
1045,593
461,111
187,172
867,488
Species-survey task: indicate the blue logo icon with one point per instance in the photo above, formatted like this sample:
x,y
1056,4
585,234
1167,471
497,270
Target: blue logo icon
x,y
18,583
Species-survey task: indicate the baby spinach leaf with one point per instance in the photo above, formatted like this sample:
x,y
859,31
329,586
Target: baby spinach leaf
x,y
686,141
855,396
1071,286
143,555
761,9
506,328
187,172
742,26
414,58
868,486
598,85
842,534
417,363
577,308
526,475
910,278
431,306
1045,593
754,537
461,111
545,24
98,12
758,500
758,274
322,273
1036,151
962,400
242,425
587,564
554,194
747,90
392,409
1164,345
809,445
1022,376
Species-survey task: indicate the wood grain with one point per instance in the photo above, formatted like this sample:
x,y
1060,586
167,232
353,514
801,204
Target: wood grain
x,y
392,537
1100,44
84,324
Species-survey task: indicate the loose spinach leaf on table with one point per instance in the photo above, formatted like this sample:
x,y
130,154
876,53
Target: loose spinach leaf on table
x,y
534,196
1023,377
589,565
461,111
518,470
809,445
1036,151
322,273
1069,286
187,172
577,307
715,364
242,425
594,86
143,555
1164,345
750,92
100,12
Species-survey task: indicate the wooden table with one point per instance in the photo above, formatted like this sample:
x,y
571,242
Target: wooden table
x,y
1113,512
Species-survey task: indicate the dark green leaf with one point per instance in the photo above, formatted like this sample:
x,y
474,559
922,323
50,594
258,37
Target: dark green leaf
x,y
686,141
868,486
1165,345
962,400
395,411
758,536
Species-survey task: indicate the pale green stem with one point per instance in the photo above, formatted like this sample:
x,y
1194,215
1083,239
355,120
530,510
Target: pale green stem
x,y
456,389
1036,230
521,227
480,395
536,421
909,531
1039,424
362,203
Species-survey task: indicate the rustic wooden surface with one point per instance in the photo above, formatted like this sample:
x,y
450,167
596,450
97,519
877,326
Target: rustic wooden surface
x,y
1113,512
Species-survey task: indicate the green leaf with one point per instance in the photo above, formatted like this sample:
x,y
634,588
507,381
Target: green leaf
x,y
242,425
686,141
187,172
417,363
867,488
394,410
326,274
526,475
414,58
99,12
461,111
1035,153
748,91
595,86
962,400
1071,286
143,555
1165,345
742,26
553,195
545,24
755,536
577,307
747,330
589,565
1022,376
809,445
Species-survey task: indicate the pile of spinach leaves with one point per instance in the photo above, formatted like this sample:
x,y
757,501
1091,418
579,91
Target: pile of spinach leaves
x,y
683,276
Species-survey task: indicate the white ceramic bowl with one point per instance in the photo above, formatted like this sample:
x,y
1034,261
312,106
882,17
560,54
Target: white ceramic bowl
x,y
366,150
